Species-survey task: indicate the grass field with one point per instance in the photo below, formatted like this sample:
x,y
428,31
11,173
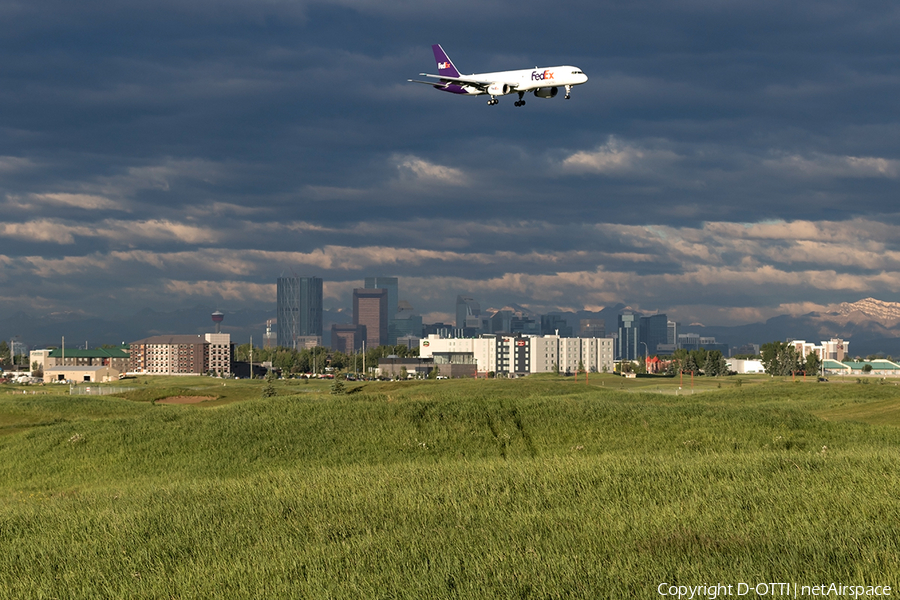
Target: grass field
x,y
531,488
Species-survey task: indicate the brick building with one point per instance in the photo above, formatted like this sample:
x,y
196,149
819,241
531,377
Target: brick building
x,y
183,355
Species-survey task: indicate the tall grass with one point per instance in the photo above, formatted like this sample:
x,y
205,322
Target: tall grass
x,y
461,490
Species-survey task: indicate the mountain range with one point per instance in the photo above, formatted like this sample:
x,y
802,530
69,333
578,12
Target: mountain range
x,y
871,326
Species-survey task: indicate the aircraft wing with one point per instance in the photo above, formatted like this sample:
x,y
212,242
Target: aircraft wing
x,y
481,84
434,83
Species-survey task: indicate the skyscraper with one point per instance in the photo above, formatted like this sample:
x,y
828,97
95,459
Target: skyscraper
x,y
347,338
593,328
672,333
392,286
627,342
405,323
299,309
370,308
556,325
468,312
653,332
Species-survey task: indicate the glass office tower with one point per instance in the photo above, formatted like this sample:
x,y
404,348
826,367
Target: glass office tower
x,y
299,310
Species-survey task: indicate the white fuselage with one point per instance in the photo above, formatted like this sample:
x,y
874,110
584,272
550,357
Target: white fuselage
x,y
524,80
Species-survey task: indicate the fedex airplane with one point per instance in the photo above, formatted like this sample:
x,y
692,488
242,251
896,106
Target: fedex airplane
x,y
544,82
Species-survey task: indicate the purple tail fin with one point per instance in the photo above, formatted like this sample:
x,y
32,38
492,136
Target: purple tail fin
x,y
444,65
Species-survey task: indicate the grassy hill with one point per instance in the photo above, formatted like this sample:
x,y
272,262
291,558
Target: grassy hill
x,y
534,488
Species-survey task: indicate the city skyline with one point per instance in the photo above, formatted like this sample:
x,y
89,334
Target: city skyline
x,y
724,164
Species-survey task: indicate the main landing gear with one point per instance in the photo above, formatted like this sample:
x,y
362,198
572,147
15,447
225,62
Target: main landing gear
x,y
520,101
493,101
568,90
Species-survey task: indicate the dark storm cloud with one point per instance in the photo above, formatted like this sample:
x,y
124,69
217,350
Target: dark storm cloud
x,y
724,162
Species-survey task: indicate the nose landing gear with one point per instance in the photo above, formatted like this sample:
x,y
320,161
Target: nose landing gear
x,y
568,90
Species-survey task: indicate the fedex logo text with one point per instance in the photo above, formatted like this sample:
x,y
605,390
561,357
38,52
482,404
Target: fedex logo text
x,y
444,65
537,76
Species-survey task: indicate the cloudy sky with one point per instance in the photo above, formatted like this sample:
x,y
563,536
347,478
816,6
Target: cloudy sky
x,y
726,161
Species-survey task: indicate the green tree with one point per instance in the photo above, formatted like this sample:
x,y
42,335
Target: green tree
x,y
722,365
339,361
337,386
4,353
303,362
699,358
242,353
268,390
318,359
678,362
769,353
812,364
372,356
690,365
401,351
789,360
715,364
780,358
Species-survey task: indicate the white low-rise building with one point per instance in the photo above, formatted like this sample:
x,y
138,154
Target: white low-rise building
x,y
745,367
522,355
833,349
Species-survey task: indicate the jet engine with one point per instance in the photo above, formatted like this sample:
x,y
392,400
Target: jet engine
x,y
549,92
498,89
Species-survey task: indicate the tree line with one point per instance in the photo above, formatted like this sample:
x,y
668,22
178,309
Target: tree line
x,y
782,358
320,358
708,362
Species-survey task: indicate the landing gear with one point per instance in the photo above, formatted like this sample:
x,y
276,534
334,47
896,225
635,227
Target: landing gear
x,y
568,90
520,101
493,101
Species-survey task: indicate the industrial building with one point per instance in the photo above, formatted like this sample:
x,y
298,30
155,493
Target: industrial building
x,y
81,374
